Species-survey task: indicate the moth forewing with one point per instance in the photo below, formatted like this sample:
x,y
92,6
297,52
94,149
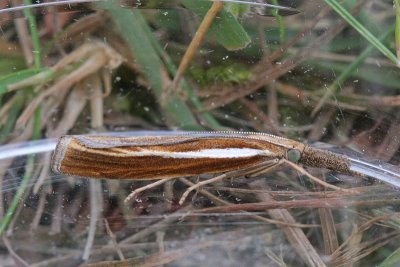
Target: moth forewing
x,y
159,157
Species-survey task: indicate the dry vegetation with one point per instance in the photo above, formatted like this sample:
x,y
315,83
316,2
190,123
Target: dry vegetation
x,y
309,76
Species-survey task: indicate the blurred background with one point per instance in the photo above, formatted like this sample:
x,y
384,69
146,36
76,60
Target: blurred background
x,y
316,72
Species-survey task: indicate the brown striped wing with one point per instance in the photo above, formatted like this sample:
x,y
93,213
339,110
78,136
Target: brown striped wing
x,y
156,157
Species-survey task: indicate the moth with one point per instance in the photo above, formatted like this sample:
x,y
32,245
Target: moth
x,y
187,154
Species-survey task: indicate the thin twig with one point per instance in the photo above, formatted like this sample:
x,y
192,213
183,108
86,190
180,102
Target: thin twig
x,y
17,258
196,41
114,240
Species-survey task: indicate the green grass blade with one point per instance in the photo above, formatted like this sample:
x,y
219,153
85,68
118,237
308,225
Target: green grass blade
x,y
397,30
21,189
25,180
349,70
279,20
34,35
12,116
362,30
392,260
132,25
385,76
226,28
17,77
205,115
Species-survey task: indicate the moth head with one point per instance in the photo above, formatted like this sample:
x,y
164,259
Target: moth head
x,y
293,155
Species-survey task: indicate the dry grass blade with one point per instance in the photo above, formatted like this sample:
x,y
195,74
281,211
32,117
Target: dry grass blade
x,y
74,105
96,102
25,41
98,56
265,76
194,45
17,258
356,252
114,241
43,173
221,202
96,202
328,231
295,236
353,249
332,200
157,226
156,259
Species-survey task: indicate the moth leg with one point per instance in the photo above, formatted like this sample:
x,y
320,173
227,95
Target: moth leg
x,y
232,174
267,166
315,179
144,188
199,184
